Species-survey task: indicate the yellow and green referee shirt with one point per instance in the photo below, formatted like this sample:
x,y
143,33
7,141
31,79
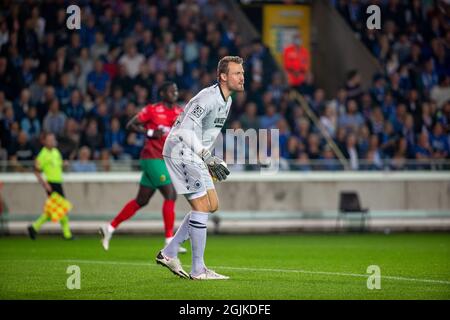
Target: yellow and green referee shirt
x,y
51,163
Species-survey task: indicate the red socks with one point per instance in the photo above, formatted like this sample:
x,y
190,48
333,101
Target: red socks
x,y
169,217
127,212
132,206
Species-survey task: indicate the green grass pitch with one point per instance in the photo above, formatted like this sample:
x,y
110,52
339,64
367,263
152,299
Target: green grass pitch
x,y
413,266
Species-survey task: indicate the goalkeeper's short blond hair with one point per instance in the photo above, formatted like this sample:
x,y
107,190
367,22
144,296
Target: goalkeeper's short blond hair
x,y
222,66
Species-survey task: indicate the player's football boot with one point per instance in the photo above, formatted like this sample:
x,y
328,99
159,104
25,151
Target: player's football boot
x,y
209,275
106,237
180,248
173,264
31,232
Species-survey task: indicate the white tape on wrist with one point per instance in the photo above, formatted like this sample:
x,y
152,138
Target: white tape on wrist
x,y
150,133
205,154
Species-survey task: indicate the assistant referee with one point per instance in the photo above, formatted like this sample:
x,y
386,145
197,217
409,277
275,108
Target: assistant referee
x,y
50,162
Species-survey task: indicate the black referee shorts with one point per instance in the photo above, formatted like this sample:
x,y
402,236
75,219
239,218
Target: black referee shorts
x,y
56,187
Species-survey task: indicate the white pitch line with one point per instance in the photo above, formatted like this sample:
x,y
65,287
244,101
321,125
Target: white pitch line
x,y
271,270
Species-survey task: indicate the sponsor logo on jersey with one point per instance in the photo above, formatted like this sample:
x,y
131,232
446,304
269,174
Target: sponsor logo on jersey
x,y
219,122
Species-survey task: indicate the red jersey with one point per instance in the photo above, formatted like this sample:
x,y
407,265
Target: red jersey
x,y
296,60
157,116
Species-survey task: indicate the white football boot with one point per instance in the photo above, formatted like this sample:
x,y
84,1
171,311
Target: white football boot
x,y
209,275
180,248
106,236
173,264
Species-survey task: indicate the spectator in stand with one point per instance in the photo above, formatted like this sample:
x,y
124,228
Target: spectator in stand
x,y
353,85
362,139
133,145
307,88
84,163
115,138
376,121
98,81
30,124
284,135
293,148
353,119
429,77
99,48
64,90
22,105
21,149
329,120
105,161
249,119
401,154
276,87
296,62
37,88
132,61
302,163
55,119
378,89
423,151
270,119
441,93
328,160
70,140
350,151
439,142
389,139
313,147
117,103
373,155
92,138
75,108
318,102
85,62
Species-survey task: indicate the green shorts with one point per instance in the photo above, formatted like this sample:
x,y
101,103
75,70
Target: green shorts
x,y
154,173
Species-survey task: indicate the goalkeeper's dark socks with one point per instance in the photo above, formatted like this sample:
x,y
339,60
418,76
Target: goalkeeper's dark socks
x,y
197,232
127,212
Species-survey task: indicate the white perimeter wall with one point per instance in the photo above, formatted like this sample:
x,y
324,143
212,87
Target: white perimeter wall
x,y
106,193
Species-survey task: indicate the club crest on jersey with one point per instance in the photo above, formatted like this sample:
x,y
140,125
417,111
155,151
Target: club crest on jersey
x,y
219,122
197,184
198,111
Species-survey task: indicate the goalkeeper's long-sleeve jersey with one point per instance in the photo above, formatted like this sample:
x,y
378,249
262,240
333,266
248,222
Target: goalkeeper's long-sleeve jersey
x,y
198,126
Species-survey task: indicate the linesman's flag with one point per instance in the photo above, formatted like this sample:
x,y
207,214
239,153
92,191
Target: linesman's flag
x,y
57,206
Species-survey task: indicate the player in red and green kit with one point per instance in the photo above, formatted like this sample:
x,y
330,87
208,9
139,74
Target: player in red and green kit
x,y
155,121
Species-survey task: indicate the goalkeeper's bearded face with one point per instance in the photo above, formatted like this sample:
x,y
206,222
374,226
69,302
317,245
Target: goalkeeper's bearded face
x,y
235,77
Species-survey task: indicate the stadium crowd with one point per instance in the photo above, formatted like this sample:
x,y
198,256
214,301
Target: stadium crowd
x,y
84,85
